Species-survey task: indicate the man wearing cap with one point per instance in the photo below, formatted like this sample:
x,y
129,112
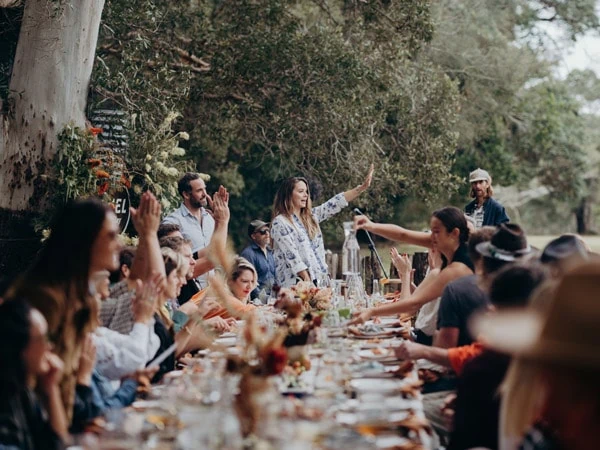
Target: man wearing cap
x,y
260,254
484,209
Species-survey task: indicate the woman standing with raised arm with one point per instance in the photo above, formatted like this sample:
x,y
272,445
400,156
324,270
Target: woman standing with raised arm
x,y
449,235
297,240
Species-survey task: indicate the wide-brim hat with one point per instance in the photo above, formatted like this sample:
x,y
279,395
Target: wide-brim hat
x,y
568,334
479,175
508,243
256,225
563,247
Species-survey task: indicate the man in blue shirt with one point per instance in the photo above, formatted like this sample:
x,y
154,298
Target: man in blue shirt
x,y
484,210
260,254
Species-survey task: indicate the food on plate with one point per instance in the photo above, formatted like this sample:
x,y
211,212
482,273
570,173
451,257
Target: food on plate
x,y
404,369
428,375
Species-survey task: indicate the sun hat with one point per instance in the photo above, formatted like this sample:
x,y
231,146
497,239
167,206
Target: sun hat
x,y
568,334
507,244
256,225
479,175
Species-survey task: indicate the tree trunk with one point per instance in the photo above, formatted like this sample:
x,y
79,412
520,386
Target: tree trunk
x,y
48,89
583,215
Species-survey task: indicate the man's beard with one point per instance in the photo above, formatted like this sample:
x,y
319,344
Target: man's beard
x,y
198,203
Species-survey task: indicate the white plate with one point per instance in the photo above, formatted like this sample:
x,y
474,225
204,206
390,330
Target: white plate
x,y
227,341
227,334
381,385
390,442
147,404
371,417
370,354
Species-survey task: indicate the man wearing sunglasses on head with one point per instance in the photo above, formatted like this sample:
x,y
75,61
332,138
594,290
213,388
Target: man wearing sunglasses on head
x,y
260,254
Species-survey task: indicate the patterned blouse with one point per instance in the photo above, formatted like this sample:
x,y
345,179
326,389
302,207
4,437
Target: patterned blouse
x,y
294,250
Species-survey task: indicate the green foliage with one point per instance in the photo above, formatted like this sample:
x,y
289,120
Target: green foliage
x,y
273,88
156,161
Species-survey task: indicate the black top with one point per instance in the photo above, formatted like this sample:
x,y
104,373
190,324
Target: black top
x,y
24,425
493,212
166,340
460,299
188,290
461,255
476,415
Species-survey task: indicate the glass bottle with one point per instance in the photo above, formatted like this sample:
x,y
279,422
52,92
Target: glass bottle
x,y
350,251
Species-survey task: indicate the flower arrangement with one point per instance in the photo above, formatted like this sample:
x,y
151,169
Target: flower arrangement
x,y
263,357
299,325
312,298
264,354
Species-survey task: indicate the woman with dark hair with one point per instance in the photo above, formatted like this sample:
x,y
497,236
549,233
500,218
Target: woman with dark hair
x,y
83,240
297,240
449,235
26,358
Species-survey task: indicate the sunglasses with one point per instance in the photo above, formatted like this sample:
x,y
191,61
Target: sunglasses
x,y
263,232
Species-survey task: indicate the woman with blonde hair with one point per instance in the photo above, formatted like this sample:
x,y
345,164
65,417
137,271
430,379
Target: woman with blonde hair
x,y
297,240
241,280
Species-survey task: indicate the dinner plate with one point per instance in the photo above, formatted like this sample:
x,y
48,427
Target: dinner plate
x,y
381,385
372,336
227,334
226,341
147,404
374,355
371,417
391,441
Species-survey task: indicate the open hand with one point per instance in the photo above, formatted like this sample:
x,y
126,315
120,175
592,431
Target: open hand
x,y
146,296
402,262
367,183
219,205
146,218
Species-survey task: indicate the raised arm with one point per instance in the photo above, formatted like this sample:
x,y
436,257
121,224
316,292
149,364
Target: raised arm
x,y
352,194
393,232
426,292
148,260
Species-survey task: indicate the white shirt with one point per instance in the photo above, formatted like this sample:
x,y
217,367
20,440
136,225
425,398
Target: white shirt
x,y
294,250
200,233
121,354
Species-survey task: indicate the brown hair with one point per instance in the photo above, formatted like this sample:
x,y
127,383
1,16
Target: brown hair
x,y
283,205
483,234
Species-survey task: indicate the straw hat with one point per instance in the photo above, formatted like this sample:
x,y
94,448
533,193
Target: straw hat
x,y
569,334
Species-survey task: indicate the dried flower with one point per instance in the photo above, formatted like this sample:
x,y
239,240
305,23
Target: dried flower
x,y
102,174
103,188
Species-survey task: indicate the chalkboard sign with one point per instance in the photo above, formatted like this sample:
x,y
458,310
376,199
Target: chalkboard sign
x,y
121,203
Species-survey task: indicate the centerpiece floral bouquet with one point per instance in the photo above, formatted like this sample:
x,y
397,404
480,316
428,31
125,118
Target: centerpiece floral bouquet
x,y
313,298
263,356
299,325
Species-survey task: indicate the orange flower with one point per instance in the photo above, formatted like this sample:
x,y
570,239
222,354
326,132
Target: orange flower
x,y
96,131
125,181
102,174
94,162
103,188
